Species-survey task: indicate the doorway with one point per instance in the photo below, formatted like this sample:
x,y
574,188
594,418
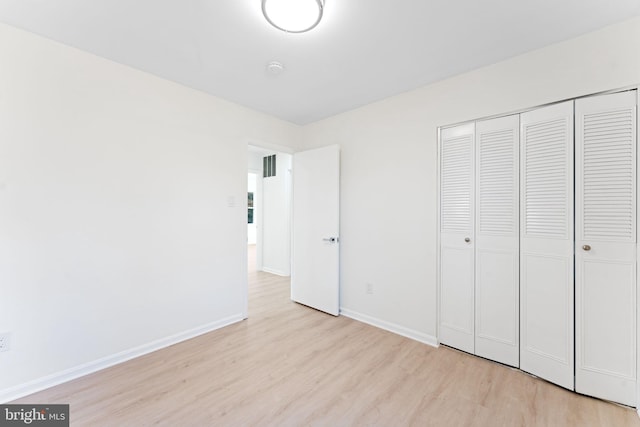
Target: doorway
x,y
269,217
317,222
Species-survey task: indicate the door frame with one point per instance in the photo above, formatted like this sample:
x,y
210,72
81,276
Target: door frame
x,y
637,88
438,225
257,216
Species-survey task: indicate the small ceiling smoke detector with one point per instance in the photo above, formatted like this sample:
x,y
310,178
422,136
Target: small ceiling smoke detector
x,y
275,68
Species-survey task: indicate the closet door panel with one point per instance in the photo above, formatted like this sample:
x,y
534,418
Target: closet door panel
x,y
546,243
606,247
497,261
456,306
457,237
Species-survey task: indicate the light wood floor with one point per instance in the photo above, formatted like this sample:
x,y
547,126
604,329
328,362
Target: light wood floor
x,y
288,365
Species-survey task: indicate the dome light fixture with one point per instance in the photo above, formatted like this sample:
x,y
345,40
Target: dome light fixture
x,y
293,16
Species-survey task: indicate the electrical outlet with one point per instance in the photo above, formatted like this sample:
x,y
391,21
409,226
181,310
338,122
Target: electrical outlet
x,y
5,342
369,288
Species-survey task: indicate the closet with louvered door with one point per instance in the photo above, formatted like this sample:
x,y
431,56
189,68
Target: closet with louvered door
x,y
538,255
496,245
546,243
605,246
479,239
457,237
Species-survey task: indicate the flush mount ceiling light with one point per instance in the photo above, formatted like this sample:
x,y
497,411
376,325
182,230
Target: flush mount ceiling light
x,y
293,16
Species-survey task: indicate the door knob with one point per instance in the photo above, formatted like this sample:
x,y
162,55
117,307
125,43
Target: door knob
x,y
466,239
586,247
330,239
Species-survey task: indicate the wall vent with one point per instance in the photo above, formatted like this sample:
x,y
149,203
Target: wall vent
x,y
269,166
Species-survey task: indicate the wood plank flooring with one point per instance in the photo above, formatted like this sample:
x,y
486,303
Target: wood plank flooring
x,y
289,365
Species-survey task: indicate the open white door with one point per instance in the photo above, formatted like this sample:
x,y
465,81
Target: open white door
x,y
315,266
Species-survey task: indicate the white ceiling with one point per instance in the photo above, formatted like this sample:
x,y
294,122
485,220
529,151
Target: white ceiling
x,y
362,51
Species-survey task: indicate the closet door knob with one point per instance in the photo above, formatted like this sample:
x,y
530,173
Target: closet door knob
x,y
466,239
586,247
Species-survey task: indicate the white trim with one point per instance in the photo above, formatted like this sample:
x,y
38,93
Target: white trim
x,y
271,147
257,221
244,289
438,222
274,271
525,110
21,390
391,327
257,217
637,88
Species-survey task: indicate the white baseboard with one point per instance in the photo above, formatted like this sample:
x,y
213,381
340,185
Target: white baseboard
x,y
16,392
276,272
391,327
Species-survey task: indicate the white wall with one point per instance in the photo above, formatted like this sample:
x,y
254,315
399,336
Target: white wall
x,y
276,218
255,162
389,162
122,210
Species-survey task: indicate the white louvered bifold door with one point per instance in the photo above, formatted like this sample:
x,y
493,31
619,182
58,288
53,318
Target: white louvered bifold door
x,y
497,249
546,243
606,247
456,237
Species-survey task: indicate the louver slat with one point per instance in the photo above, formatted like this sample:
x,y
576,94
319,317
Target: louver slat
x,y
545,179
496,176
608,176
456,189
